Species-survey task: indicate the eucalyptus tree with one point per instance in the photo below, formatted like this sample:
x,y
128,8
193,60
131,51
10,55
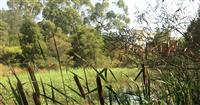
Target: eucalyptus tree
x,y
30,8
111,20
107,17
65,13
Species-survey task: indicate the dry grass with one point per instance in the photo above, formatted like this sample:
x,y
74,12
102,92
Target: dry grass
x,y
5,70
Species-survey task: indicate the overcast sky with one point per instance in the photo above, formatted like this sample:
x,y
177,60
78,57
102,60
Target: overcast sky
x,y
147,6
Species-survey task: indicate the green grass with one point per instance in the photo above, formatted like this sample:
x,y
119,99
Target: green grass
x,y
123,76
117,84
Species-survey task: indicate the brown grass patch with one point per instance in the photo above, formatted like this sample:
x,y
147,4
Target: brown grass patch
x,y
5,70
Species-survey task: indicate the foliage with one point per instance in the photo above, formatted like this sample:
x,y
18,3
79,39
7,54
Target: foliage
x,y
63,47
106,20
66,17
117,86
31,40
3,32
88,44
10,54
55,37
30,8
47,29
162,36
192,36
192,53
110,24
14,20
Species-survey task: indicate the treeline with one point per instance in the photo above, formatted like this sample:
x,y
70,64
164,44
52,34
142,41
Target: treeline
x,y
72,32
78,33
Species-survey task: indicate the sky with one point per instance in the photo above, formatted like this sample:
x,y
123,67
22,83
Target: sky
x,y
3,4
190,8
147,6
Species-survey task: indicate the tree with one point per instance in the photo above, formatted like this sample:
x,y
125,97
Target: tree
x,y
31,40
65,13
63,46
192,36
88,43
110,24
107,21
30,8
47,28
62,42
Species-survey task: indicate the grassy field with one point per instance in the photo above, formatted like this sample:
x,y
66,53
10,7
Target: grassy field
x,y
85,87
118,78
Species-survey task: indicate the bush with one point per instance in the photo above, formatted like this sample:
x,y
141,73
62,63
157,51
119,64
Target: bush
x,y
88,44
10,54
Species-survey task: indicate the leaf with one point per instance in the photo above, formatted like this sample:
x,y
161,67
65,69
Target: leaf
x,y
75,91
138,75
44,92
14,92
113,75
22,93
42,52
55,101
91,91
52,92
79,86
57,90
100,90
3,86
115,94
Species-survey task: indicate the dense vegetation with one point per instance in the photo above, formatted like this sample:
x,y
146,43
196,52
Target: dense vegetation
x,y
81,34
78,27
